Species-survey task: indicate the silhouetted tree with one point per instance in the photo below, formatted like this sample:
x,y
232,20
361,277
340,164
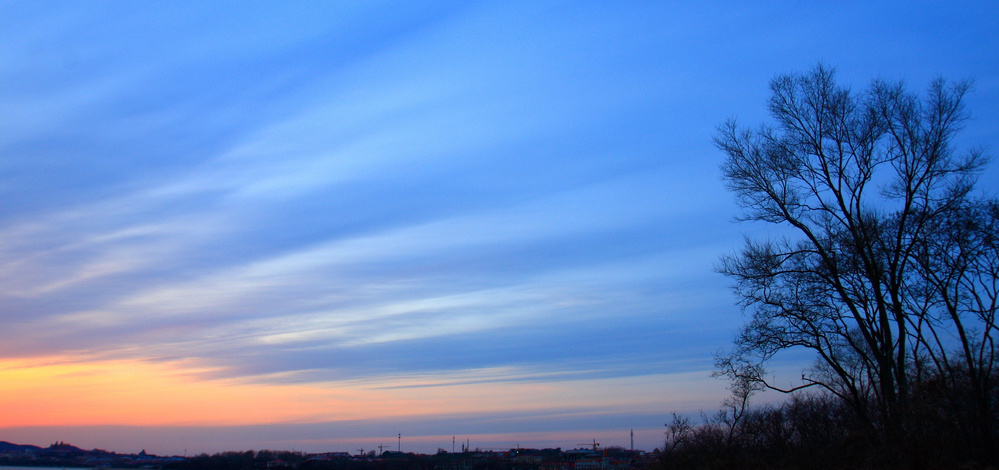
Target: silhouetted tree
x,y
887,269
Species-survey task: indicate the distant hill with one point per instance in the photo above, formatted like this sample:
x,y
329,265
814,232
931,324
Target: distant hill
x,y
7,447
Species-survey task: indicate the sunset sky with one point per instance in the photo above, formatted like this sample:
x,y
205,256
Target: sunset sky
x,y
233,225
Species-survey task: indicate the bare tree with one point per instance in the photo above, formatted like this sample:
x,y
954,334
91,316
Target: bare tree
x,y
958,266
889,263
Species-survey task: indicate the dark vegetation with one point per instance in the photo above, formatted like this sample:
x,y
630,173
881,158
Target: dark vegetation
x,y
62,455
514,459
233,460
818,431
886,269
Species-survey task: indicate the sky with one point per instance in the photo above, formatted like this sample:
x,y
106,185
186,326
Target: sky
x,y
319,226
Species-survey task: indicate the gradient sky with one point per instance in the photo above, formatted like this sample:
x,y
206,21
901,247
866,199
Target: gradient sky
x,y
318,225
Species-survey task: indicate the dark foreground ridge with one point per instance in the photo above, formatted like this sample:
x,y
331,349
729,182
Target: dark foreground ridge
x,y
61,454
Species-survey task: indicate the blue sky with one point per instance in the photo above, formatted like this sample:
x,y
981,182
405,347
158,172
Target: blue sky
x,y
500,217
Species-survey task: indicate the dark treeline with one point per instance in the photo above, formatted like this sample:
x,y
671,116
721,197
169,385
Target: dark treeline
x,y
513,460
247,460
817,430
277,460
886,268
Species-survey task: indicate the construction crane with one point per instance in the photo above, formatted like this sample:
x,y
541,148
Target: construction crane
x,y
595,444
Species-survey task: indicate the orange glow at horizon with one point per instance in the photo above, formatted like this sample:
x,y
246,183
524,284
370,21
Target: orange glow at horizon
x,y
63,392
131,392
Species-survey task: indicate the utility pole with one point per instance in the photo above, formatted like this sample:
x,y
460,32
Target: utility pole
x,y
400,443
